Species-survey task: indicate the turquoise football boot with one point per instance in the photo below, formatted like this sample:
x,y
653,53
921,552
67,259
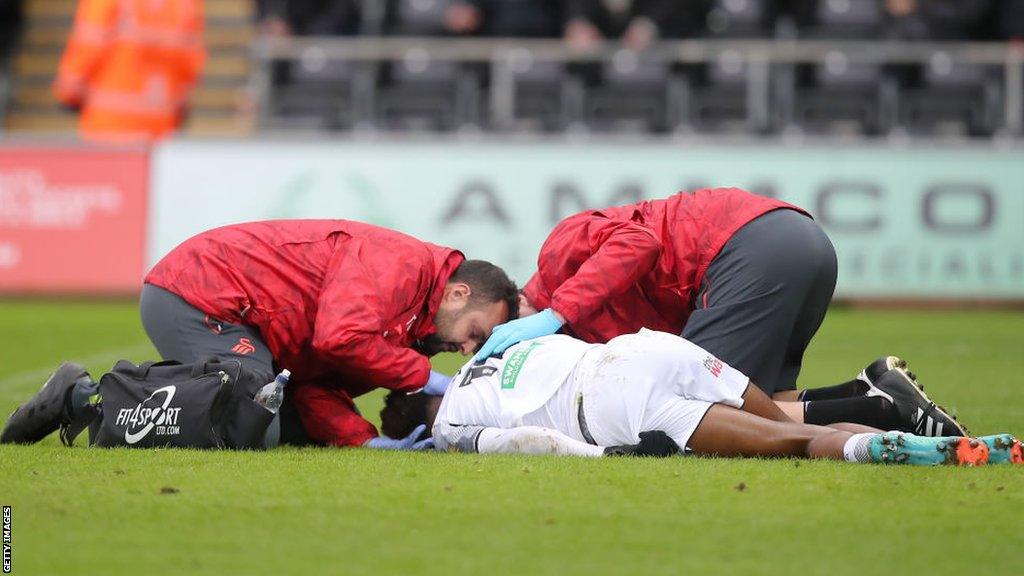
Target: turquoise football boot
x,y
1003,449
903,448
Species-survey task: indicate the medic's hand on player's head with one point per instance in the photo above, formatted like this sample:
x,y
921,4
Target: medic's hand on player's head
x,y
543,323
407,443
437,384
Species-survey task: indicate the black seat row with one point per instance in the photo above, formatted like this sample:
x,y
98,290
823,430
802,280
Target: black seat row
x,y
629,93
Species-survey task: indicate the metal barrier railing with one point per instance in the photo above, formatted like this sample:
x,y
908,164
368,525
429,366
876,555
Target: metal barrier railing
x,y
502,55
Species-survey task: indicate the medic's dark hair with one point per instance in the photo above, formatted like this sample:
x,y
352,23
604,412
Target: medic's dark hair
x,y
489,284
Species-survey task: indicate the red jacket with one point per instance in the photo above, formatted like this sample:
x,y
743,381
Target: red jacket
x,y
338,303
613,271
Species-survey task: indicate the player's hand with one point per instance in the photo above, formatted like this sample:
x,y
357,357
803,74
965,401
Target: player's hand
x,y
407,443
543,323
654,443
437,384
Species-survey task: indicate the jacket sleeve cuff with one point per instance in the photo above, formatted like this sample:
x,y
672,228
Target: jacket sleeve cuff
x,y
570,312
416,381
352,440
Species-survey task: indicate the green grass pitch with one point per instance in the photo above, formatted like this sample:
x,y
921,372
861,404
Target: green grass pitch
x,y
331,511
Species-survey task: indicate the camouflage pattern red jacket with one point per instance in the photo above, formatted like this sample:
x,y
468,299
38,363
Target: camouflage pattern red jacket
x,y
338,303
613,271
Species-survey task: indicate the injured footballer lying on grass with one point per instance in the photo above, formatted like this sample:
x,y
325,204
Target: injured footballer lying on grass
x,y
648,394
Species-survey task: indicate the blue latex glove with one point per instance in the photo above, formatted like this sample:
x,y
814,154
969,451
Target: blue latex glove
x,y
437,384
540,324
407,443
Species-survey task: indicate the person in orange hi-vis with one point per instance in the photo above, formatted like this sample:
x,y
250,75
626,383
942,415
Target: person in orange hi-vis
x,y
129,65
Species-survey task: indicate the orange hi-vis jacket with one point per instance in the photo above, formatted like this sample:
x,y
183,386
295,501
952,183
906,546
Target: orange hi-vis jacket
x,y
129,65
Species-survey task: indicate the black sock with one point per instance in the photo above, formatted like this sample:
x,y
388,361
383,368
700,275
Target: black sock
x,y
78,396
873,411
845,390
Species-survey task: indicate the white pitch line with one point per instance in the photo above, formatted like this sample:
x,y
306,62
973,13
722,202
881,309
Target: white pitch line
x,y
107,356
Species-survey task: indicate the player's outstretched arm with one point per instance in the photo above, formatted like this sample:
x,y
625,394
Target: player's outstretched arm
x,y
537,440
520,440
533,440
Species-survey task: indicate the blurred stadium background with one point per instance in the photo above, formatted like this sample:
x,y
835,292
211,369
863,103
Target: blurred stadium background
x,y
480,123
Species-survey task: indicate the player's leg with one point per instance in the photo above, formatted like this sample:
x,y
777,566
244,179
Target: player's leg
x,y
681,389
622,395
876,396
855,428
758,403
729,432
894,401
856,400
810,315
724,431
763,299
860,385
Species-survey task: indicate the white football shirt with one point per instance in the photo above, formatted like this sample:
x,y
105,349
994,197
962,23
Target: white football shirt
x,y
529,385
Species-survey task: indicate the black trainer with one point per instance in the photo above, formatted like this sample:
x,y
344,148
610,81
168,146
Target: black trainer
x,y
920,415
876,369
46,411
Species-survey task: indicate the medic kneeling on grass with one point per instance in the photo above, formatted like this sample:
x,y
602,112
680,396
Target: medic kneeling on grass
x,y
346,307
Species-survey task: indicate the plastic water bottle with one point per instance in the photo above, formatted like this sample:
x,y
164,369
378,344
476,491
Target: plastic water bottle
x,y
272,395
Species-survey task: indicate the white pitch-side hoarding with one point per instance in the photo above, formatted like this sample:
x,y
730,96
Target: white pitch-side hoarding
x,y
938,222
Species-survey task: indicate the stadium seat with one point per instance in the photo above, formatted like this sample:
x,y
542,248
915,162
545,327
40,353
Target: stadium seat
x,y
842,96
421,93
954,98
314,93
632,95
717,96
540,94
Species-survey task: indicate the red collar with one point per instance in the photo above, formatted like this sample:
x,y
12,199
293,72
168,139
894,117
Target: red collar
x,y
536,296
446,261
